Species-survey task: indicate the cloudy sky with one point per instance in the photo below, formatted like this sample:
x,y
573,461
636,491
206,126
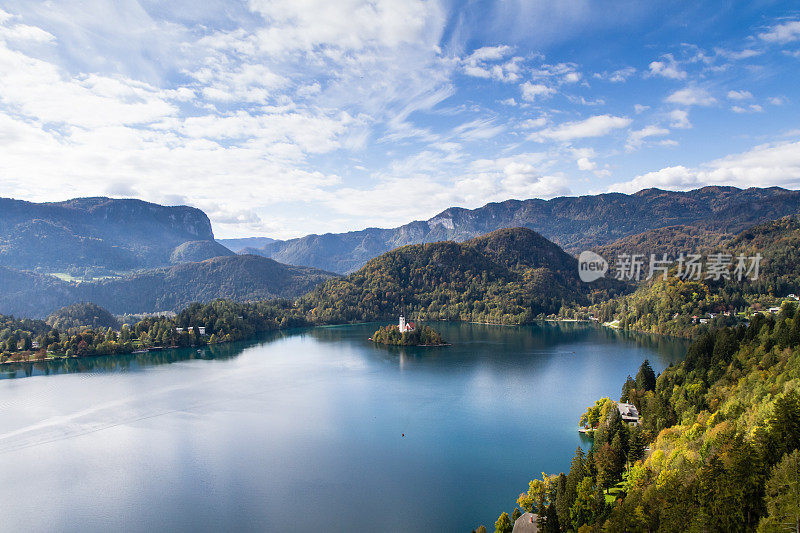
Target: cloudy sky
x,y
287,117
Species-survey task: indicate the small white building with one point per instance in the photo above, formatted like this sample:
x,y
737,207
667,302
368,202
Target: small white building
x,y
404,326
201,330
178,330
628,412
774,310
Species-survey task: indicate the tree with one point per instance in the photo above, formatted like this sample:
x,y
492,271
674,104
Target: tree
x,y
503,524
636,444
645,377
607,462
627,388
783,496
563,501
784,434
587,504
515,514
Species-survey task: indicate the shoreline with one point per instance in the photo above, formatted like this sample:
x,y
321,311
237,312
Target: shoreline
x,y
414,345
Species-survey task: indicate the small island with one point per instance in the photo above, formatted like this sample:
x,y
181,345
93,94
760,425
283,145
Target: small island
x,y
408,334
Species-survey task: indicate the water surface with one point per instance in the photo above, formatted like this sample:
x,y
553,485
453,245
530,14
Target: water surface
x,y
310,430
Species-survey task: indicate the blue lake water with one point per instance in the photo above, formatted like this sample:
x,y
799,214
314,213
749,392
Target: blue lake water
x,y
309,430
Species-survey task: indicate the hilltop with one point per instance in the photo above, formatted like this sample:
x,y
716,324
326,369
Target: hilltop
x,y
508,276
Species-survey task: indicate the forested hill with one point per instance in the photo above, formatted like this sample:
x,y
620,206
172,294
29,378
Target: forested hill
x,y
239,278
574,223
101,233
723,432
509,276
667,306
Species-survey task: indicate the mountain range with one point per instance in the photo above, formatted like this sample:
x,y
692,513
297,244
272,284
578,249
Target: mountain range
x,y
574,223
138,257
103,234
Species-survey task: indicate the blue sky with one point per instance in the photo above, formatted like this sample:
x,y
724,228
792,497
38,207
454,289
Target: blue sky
x,y
282,118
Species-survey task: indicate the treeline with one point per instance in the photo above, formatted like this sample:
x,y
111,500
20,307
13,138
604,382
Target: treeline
x,y
723,428
420,336
222,320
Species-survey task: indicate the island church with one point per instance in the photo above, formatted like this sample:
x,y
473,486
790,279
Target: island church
x,y
404,326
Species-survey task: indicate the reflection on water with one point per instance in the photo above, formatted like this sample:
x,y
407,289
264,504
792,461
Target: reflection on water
x,y
306,430
135,361
539,336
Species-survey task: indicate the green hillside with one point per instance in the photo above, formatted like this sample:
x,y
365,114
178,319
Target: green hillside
x,y
507,277
723,433
667,306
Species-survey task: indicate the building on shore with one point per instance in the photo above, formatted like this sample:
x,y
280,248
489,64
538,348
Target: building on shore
x,y
629,413
527,523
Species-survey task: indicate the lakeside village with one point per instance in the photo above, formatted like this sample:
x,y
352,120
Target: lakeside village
x,y
741,316
408,334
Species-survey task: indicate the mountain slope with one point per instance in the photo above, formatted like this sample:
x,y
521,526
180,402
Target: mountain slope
x,y
575,223
108,233
239,277
508,276
237,245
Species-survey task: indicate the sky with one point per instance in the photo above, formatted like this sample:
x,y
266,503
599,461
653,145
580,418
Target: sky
x,y
289,117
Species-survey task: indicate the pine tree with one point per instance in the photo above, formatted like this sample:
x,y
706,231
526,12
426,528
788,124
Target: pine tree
x,y
645,377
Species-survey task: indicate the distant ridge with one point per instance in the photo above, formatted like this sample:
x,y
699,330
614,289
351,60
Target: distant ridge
x,y
105,233
237,245
236,277
574,223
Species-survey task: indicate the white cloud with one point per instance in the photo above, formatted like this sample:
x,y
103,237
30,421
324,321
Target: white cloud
x,y
679,118
479,64
753,108
775,164
667,68
739,95
637,138
584,163
532,91
533,123
479,129
747,53
639,108
596,126
782,33
616,76
411,191
691,96
25,33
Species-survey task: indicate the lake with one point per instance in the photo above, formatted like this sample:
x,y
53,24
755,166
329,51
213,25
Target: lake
x,y
307,430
